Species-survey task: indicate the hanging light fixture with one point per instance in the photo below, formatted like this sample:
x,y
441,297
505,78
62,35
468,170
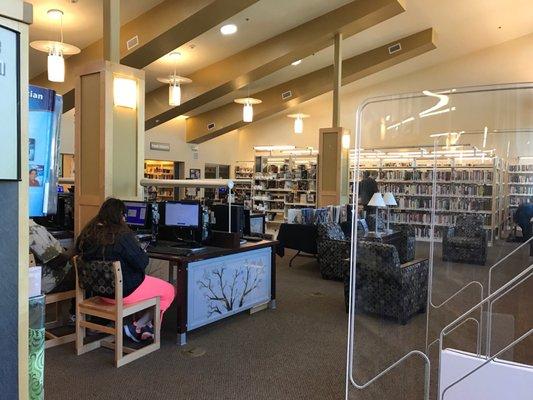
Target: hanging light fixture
x,y
174,81
298,122
248,109
56,50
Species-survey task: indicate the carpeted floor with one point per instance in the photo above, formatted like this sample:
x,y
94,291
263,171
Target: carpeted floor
x,y
297,351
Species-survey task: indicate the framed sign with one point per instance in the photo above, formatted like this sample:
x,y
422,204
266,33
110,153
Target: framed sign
x,y
9,104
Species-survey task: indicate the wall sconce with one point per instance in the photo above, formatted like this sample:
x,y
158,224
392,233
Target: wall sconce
x,y
125,92
346,141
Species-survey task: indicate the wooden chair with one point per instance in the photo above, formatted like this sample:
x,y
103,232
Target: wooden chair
x,y
52,339
104,278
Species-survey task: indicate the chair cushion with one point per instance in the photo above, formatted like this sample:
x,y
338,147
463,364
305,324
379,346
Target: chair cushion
x,y
461,241
331,231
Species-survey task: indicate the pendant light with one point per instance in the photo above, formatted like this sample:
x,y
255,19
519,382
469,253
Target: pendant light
x,y
56,50
248,109
298,122
174,82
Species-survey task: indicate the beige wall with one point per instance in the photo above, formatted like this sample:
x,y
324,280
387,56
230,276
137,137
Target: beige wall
x,y
504,63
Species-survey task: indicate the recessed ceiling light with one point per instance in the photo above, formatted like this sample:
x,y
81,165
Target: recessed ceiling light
x,y
54,13
297,62
228,29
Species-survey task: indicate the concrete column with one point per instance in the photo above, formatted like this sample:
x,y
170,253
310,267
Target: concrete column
x,y
337,80
112,30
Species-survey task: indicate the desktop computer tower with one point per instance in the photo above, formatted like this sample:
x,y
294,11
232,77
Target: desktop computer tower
x,y
221,218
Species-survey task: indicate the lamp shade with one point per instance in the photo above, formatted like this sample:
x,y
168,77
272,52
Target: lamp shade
x,y
174,94
389,199
377,200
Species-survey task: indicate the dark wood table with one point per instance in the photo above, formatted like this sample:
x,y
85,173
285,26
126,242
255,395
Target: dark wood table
x,y
222,302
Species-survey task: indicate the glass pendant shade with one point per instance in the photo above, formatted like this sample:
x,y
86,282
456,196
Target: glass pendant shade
x,y
248,113
298,125
174,94
56,65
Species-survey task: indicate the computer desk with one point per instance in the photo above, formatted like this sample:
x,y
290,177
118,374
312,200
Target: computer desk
x,y
215,283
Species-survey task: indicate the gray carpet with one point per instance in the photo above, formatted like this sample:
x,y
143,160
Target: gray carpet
x,y
297,351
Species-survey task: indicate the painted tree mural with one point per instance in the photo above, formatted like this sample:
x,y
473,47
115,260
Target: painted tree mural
x,y
227,289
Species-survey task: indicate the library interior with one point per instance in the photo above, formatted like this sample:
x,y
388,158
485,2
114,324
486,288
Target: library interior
x,y
257,199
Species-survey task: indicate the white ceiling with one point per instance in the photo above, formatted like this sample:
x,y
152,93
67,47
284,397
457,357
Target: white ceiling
x,y
82,23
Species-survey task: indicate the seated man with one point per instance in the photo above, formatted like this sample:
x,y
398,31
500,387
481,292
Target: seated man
x,y
57,272
522,217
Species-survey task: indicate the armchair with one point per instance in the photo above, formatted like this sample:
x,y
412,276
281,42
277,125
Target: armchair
x,y
333,249
466,241
385,287
406,247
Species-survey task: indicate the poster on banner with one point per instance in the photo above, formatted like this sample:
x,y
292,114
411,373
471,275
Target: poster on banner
x,y
9,105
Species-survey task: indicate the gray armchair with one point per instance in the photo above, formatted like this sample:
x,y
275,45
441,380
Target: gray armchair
x,y
466,241
384,286
406,248
333,249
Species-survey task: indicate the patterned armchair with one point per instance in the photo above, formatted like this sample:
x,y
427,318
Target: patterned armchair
x,y
333,249
406,248
371,221
385,286
466,241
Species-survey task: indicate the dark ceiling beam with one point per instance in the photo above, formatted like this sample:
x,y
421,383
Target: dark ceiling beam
x,y
160,30
229,117
258,61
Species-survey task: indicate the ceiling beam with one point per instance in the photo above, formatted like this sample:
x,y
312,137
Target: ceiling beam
x,y
229,117
258,61
160,30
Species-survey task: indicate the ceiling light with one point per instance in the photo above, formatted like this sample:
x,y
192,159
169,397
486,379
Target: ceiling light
x,y
174,81
272,148
56,50
247,110
297,62
228,29
298,121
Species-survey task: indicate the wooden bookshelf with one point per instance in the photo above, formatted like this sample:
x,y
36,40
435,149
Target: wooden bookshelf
x,y
156,169
244,170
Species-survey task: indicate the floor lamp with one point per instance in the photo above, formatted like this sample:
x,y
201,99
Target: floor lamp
x,y
389,202
376,201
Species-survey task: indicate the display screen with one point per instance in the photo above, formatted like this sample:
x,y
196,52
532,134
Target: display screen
x,y
257,224
182,214
136,213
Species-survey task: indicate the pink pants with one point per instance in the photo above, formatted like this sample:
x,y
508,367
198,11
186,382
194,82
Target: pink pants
x,y
151,287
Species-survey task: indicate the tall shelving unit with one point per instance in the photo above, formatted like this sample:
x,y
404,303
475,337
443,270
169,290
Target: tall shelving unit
x,y
520,186
462,186
244,170
282,182
156,169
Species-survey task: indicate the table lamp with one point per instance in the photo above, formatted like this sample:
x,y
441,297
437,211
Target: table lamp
x,y
377,201
389,201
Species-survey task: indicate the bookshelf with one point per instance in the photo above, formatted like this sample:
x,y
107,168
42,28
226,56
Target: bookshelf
x,y
469,185
520,187
282,182
244,170
157,169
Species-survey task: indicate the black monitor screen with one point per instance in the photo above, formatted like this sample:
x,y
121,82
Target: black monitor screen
x,y
136,212
182,214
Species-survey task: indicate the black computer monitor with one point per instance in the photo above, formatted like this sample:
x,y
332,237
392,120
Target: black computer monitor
x,y
182,214
237,218
138,214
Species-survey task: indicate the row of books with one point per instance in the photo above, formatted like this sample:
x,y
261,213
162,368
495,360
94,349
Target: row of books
x,y
449,190
482,175
520,178
457,204
425,218
521,168
521,190
516,201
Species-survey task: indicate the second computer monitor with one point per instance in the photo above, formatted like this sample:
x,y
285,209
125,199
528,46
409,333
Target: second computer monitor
x,y
137,214
182,214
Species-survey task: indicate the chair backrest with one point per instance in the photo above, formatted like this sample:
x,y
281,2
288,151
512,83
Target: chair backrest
x,y
330,231
469,225
362,226
380,257
100,278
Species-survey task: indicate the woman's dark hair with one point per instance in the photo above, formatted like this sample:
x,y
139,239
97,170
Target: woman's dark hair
x,y
103,229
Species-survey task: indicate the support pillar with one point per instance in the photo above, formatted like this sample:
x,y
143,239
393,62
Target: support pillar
x,y
109,141
112,30
337,80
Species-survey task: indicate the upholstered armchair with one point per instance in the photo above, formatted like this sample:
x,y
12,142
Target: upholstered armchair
x,y
385,286
333,249
371,221
466,241
406,248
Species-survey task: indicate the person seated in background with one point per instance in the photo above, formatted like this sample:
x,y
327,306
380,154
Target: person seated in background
x,y
108,237
522,217
367,187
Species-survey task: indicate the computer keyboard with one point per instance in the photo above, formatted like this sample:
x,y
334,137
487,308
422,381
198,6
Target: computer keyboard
x,y
176,251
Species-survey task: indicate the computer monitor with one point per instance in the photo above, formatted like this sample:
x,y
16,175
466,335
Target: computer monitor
x,y
257,224
182,214
137,214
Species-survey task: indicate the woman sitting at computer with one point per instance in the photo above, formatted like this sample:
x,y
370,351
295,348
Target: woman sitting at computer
x,y
107,237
